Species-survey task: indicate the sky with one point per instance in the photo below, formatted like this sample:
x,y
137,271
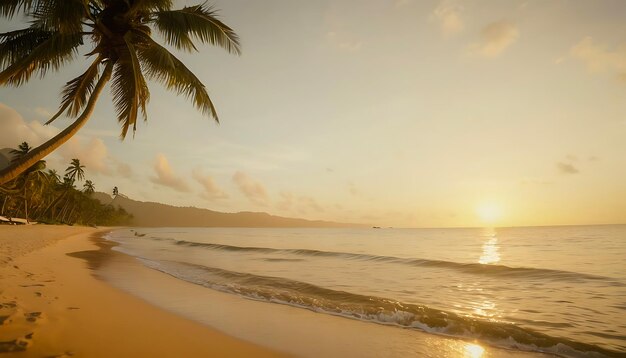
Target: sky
x,y
399,113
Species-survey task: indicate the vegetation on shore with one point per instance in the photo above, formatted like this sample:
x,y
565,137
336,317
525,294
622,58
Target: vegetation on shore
x,y
123,52
44,196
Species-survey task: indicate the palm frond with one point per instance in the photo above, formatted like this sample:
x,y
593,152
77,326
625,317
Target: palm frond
x,y
75,170
64,16
130,91
164,67
150,5
51,53
199,22
77,91
15,45
8,8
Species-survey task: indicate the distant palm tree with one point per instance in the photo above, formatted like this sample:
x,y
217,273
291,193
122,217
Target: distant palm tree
x,y
31,181
75,171
116,192
29,184
54,176
89,188
18,153
21,151
120,32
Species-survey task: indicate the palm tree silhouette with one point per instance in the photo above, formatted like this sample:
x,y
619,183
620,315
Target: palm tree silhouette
x,y
21,151
89,188
75,171
120,32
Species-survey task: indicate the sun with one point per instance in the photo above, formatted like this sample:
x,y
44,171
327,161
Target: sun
x,y
489,212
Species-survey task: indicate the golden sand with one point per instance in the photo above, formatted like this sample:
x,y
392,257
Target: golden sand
x,y
52,306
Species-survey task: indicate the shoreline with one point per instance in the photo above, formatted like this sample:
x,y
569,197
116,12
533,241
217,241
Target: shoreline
x,y
294,330
54,306
67,293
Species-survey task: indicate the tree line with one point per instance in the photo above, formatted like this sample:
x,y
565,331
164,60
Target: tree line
x,y
42,195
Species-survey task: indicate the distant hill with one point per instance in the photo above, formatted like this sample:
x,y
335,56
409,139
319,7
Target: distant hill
x,y
161,215
5,157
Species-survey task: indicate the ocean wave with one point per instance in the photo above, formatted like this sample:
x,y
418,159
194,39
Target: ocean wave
x,y
473,268
377,309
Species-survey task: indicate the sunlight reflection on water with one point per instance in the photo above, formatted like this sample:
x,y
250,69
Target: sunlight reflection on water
x,y
473,351
486,308
491,252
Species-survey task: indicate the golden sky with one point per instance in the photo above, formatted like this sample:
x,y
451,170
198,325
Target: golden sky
x,y
393,113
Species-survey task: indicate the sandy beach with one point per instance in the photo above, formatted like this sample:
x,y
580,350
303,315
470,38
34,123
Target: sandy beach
x,y
52,306
65,293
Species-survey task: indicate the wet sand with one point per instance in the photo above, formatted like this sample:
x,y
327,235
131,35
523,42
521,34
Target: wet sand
x,y
53,306
64,293
297,331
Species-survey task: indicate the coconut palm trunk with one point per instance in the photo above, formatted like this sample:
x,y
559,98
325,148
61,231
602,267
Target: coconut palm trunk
x,y
12,171
26,209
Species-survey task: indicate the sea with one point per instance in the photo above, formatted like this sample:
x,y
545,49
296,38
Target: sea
x,y
558,290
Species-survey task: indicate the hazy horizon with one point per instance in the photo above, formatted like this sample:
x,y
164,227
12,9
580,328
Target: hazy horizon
x,y
391,113
148,212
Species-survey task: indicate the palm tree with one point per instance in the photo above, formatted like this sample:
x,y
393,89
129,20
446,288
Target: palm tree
x,y
54,175
120,32
116,192
23,183
89,188
75,171
31,180
18,153
21,151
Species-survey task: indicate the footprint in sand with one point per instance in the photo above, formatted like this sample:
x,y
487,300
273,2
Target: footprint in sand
x,y
33,316
11,304
16,345
8,309
4,320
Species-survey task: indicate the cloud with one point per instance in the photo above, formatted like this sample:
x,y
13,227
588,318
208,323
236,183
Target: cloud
x,y
449,18
91,151
211,190
495,38
599,59
166,176
93,154
567,168
15,130
253,190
